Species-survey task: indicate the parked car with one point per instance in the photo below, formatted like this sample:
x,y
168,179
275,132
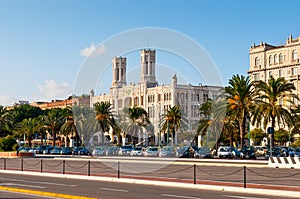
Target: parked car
x,y
225,152
47,149
180,150
125,150
99,151
297,152
204,152
247,153
112,150
260,152
167,151
137,151
80,151
190,152
151,151
55,151
275,152
287,151
39,149
66,151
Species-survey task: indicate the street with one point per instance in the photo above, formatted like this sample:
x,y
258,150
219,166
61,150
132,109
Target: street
x,y
113,190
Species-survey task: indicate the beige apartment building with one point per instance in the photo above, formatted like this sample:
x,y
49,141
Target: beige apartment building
x,y
154,98
278,61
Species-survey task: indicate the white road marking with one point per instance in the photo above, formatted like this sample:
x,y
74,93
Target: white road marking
x,y
177,196
40,182
22,185
243,197
109,189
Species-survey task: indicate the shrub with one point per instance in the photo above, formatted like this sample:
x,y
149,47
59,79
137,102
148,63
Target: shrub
x,y
7,143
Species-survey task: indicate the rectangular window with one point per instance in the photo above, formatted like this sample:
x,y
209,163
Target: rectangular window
x,y
294,71
280,73
256,76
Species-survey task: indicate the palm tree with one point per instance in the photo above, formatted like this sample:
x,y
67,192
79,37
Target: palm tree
x,y
53,121
240,97
172,122
5,120
27,128
213,119
69,128
139,118
104,116
270,108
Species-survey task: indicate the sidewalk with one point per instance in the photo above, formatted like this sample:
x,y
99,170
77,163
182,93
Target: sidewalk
x,y
270,190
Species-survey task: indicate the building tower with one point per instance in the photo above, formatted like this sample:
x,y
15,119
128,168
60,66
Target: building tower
x,y
119,71
148,68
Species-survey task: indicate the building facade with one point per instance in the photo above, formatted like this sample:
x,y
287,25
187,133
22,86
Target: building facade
x,y
278,61
155,99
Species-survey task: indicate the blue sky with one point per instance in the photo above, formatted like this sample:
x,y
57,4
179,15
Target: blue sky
x,y
41,41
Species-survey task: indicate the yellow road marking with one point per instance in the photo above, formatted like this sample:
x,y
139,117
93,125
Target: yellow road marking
x,y
43,193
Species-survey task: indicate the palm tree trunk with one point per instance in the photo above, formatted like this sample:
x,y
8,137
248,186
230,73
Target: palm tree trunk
x,y
54,137
272,135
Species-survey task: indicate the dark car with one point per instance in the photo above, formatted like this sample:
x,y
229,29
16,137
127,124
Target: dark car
x,y
204,152
190,152
55,151
66,151
247,153
39,149
81,151
47,149
112,150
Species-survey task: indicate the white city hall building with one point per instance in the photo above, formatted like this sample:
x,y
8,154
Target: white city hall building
x,y
154,98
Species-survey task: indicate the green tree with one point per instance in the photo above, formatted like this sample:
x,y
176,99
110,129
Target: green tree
x,y
8,143
270,108
212,120
27,128
281,136
172,122
241,94
138,119
257,135
53,120
104,116
5,121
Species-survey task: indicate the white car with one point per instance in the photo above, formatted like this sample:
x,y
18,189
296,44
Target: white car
x,y
225,152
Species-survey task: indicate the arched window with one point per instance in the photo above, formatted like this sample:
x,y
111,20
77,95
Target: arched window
x,y
275,59
257,61
294,55
280,58
271,61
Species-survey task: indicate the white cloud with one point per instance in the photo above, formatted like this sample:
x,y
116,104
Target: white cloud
x,y
93,51
53,90
6,100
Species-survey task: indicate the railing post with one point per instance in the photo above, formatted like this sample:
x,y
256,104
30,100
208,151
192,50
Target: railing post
x,y
41,165
89,168
119,169
64,166
195,175
245,182
22,164
4,164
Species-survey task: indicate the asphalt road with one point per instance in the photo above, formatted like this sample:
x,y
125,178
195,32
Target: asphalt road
x,y
112,190
155,169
